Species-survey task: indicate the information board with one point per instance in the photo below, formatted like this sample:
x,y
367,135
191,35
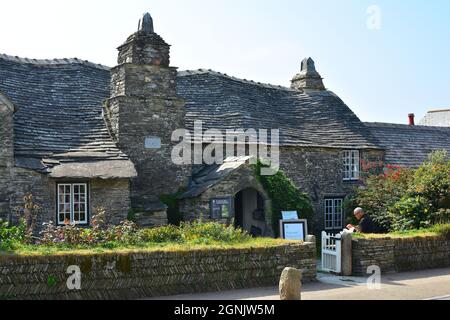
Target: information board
x,y
221,208
294,229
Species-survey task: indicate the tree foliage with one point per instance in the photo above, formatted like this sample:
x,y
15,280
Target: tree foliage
x,y
406,199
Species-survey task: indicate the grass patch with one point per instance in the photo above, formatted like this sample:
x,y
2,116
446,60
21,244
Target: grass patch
x,y
62,250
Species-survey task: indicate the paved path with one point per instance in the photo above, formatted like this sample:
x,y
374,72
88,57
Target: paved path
x,y
421,285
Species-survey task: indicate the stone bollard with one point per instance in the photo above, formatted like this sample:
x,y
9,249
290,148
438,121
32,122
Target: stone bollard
x,y
291,284
346,255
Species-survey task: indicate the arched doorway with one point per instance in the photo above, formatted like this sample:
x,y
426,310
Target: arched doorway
x,y
250,213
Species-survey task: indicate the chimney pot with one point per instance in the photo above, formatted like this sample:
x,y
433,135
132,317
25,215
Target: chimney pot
x,y
411,117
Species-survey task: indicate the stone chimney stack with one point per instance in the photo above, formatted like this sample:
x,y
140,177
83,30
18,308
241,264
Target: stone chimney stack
x,y
142,113
308,78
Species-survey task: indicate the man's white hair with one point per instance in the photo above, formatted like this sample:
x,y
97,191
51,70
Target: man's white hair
x,y
359,210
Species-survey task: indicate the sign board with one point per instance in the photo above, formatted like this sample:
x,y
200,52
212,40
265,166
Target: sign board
x,y
152,143
294,229
221,208
289,215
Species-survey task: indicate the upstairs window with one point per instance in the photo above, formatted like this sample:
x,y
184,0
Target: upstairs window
x,y
72,203
334,214
351,165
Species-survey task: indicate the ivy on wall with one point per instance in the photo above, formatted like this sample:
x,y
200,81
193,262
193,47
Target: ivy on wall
x,y
285,196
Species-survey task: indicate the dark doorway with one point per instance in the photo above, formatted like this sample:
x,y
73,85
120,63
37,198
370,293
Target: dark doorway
x,y
250,212
239,211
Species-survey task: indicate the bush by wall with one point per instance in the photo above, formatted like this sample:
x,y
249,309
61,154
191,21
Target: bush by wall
x,y
126,234
285,197
406,199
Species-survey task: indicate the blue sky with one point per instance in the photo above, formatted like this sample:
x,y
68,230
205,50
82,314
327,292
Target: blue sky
x,y
381,74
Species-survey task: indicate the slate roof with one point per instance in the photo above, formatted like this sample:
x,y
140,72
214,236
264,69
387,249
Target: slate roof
x,y
59,111
306,119
409,146
207,176
59,114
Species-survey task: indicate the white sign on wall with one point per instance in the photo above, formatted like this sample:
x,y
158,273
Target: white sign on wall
x,y
289,215
152,143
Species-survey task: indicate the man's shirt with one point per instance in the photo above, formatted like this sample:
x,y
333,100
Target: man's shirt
x,y
366,225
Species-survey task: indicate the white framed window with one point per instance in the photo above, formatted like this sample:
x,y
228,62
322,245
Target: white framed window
x,y
72,203
351,165
334,217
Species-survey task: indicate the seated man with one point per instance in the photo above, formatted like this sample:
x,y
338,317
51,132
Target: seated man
x,y
366,224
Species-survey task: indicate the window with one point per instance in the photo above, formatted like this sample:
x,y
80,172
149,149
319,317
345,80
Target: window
x,y
351,165
72,203
333,214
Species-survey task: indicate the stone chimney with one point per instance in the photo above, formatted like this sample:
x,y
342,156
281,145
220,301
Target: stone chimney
x,y
142,113
308,78
411,118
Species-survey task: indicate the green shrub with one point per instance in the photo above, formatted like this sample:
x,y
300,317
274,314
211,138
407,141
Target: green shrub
x,y
410,213
407,199
131,216
212,231
127,233
162,234
285,197
431,182
11,236
441,216
379,194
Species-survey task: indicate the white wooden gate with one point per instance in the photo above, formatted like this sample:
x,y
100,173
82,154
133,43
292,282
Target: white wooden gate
x,y
331,252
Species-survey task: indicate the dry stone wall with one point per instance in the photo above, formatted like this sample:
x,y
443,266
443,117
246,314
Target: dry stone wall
x,y
400,254
140,274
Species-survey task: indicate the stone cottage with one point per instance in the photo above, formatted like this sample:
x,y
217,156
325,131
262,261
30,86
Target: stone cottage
x,y
78,135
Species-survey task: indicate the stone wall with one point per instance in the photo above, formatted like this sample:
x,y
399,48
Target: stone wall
x,y
400,254
140,274
42,188
112,194
319,173
6,154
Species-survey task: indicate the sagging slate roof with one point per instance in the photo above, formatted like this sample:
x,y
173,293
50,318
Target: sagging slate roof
x,y
59,112
409,146
207,176
309,119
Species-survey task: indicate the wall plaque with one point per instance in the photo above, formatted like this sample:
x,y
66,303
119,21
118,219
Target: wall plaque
x,y
152,143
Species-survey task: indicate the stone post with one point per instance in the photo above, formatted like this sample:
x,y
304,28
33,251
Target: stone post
x,y
346,258
291,284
